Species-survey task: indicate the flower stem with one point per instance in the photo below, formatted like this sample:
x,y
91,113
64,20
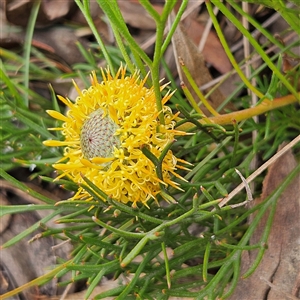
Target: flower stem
x,y
263,107
155,71
160,27
84,7
27,46
174,25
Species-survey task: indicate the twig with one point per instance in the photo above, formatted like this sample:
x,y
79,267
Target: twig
x,y
260,170
248,191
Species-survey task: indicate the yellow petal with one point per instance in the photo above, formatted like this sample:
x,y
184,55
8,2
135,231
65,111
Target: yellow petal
x,y
89,164
77,88
101,160
54,143
56,115
65,101
67,167
56,128
184,161
113,114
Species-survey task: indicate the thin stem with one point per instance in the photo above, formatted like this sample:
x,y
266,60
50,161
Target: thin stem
x,y
15,94
160,27
168,275
174,25
260,29
205,261
197,90
169,5
227,49
154,233
112,11
27,46
291,16
122,48
25,188
36,282
126,234
254,43
155,71
264,238
191,99
150,255
149,8
86,12
263,107
119,26
260,170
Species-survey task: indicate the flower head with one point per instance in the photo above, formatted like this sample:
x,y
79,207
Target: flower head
x,y
105,130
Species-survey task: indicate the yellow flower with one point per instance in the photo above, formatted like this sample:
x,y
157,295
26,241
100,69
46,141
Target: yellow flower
x,y
105,130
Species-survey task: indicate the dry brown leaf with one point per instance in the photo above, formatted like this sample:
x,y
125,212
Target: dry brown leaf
x,y
136,16
104,286
213,51
59,43
26,261
63,42
4,220
277,276
195,63
18,11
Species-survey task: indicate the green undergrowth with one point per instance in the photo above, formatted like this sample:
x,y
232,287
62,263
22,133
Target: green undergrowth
x,y
188,248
